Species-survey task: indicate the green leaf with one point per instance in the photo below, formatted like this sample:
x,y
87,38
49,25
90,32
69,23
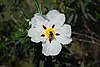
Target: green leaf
x,y
70,18
75,19
38,6
91,17
83,9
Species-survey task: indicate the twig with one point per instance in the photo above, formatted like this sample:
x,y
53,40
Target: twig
x,y
91,37
82,40
89,31
96,35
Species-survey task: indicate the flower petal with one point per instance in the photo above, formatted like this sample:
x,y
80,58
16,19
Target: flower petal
x,y
32,32
36,39
37,20
55,47
64,40
45,48
56,18
52,48
65,30
35,33
65,33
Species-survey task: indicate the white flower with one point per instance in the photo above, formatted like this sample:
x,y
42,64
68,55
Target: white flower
x,y
51,31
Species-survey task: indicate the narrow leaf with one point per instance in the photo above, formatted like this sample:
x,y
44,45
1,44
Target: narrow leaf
x,y
70,18
38,6
83,9
91,17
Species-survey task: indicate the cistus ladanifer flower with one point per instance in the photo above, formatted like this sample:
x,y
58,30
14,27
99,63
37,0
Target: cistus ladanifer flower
x,y
51,31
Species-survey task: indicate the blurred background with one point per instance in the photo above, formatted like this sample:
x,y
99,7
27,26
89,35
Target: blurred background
x,y
17,50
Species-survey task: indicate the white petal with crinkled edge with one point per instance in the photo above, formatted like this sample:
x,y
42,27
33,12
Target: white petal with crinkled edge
x,y
65,33
65,30
55,47
35,33
38,39
45,48
52,48
32,32
64,40
37,20
56,18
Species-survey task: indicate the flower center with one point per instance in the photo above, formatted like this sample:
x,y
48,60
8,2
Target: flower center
x,y
50,32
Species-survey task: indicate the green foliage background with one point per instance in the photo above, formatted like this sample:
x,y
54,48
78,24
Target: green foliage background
x,y
17,50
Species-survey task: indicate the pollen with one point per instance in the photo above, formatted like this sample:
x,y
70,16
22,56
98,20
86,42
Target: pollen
x,y
48,32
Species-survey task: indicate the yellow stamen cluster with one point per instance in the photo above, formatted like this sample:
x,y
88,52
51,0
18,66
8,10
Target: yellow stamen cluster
x,y
48,30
